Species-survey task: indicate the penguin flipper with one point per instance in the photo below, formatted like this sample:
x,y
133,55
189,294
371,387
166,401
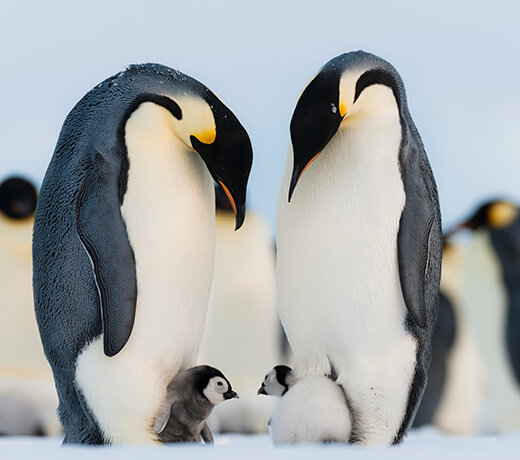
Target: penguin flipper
x,y
420,237
102,231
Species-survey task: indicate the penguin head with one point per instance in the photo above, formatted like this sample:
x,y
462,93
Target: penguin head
x,y
276,382
201,121
492,215
17,198
348,88
212,384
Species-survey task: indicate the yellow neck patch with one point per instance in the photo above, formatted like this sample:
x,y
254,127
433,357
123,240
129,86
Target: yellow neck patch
x,y
501,214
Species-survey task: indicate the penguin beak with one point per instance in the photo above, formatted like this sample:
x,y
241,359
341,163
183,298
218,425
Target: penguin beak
x,y
261,390
229,157
315,120
230,395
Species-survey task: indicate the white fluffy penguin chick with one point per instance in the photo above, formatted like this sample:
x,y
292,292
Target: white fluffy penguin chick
x,y
312,409
190,398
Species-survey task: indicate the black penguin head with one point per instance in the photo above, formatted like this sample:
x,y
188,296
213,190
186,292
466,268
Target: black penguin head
x,y
229,155
212,384
202,122
494,215
348,87
17,198
276,382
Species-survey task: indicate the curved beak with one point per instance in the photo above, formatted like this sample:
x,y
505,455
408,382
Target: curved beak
x,y
261,390
315,120
229,157
230,395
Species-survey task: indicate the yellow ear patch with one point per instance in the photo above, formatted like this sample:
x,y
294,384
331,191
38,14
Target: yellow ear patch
x,y
342,109
501,214
206,137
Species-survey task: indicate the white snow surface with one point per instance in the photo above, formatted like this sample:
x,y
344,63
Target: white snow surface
x,y
423,444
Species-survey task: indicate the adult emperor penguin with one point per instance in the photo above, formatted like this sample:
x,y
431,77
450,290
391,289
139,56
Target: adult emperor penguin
x,y
124,243
359,244
491,296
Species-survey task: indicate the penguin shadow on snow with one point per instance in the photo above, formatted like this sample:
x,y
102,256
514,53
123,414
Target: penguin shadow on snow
x,y
28,398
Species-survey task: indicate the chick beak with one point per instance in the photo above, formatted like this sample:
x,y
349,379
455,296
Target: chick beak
x,y
230,395
261,390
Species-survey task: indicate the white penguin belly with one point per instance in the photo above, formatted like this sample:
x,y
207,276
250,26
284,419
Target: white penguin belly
x,y
484,299
340,296
169,214
313,410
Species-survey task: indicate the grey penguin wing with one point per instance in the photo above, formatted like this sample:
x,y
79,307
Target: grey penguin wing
x,y
419,238
164,414
206,434
102,232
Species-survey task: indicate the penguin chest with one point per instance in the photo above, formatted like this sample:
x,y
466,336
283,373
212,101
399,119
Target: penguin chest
x,y
337,245
340,296
169,214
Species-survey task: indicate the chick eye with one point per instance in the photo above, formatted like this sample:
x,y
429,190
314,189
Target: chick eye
x,y
220,384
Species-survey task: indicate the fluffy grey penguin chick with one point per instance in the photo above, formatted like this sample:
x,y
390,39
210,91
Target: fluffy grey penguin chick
x,y
190,398
312,409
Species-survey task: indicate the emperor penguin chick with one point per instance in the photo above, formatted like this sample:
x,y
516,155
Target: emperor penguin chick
x,y
312,409
191,396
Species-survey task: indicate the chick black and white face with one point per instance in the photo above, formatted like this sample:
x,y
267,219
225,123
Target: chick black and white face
x,y
218,390
275,382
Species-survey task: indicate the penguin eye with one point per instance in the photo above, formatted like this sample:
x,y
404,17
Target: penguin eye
x,y
220,384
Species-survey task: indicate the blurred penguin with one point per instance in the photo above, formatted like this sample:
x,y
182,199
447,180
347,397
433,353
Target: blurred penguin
x,y
243,332
455,386
28,399
20,344
491,292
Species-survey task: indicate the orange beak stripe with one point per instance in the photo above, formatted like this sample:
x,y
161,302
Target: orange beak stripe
x,y
230,198
307,165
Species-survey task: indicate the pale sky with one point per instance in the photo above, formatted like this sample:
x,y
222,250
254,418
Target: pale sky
x,y
459,62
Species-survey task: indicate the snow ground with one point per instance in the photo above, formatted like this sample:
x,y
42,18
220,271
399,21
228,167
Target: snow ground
x,y
421,444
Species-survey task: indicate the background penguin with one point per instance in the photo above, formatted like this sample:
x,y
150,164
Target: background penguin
x,y
359,243
311,409
27,395
242,310
490,295
124,243
20,345
456,381
190,398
